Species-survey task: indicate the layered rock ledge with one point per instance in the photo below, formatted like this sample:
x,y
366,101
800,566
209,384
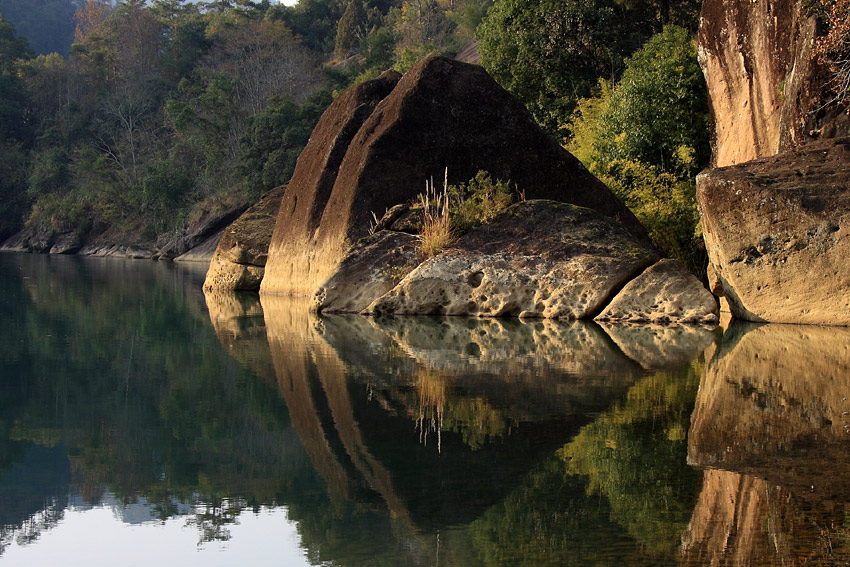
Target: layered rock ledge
x,y
777,232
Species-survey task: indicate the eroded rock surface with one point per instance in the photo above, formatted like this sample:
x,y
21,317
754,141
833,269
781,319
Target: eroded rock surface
x,y
538,259
372,268
777,231
379,142
240,257
664,293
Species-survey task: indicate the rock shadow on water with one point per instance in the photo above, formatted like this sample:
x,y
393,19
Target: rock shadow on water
x,y
771,427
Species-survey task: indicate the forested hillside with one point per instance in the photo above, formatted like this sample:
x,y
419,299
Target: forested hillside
x,y
152,111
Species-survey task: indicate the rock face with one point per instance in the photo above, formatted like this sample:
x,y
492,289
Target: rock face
x,y
240,258
372,268
767,94
664,292
538,259
756,57
377,144
777,232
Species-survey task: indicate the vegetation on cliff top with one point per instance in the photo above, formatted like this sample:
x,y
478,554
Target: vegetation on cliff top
x,y
160,108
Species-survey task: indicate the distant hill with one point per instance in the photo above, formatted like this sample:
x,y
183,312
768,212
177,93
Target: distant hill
x,y
48,25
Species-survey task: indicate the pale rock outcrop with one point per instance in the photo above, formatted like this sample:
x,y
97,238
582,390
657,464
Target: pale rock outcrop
x,y
665,292
372,268
777,231
538,259
763,87
240,256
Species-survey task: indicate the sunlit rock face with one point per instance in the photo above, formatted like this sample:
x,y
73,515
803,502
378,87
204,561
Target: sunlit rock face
x,y
377,145
240,257
538,259
771,425
370,269
663,293
777,231
765,91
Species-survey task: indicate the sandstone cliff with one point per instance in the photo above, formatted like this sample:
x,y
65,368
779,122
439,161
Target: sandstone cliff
x,y
767,93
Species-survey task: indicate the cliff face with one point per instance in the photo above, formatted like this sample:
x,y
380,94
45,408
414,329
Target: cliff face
x,y
762,85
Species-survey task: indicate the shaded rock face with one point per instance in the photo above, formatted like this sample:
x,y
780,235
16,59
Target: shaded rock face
x,y
777,231
538,259
378,143
240,257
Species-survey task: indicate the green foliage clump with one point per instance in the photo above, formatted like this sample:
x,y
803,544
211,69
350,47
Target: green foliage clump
x,y
647,137
658,113
479,201
274,140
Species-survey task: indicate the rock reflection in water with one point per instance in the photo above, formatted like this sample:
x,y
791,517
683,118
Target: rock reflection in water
x,y
772,424
405,411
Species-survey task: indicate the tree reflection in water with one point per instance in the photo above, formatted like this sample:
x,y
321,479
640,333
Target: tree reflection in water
x,y
547,443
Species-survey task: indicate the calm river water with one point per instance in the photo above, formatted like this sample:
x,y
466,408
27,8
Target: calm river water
x,y
144,423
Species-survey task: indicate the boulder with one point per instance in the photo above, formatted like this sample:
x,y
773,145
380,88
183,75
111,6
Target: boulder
x,y
297,265
240,257
372,268
664,293
379,142
537,259
777,231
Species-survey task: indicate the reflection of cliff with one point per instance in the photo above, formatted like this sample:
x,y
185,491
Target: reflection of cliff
x,y
771,423
491,397
238,322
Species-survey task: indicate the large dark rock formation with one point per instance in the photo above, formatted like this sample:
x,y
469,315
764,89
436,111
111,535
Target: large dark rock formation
x,y
379,142
777,232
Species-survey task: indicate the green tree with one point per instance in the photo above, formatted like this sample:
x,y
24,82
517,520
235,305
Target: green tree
x,y
274,140
658,113
648,137
421,27
550,53
15,132
352,29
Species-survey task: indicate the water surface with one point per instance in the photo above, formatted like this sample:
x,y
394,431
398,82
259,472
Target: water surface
x,y
144,422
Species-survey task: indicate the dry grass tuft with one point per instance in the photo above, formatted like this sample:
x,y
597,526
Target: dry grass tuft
x,y
437,230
